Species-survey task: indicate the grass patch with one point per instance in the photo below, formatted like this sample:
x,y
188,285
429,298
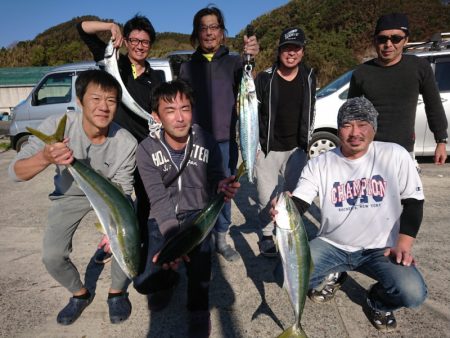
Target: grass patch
x,y
5,145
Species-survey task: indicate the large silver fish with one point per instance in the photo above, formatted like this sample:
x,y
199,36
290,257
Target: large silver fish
x,y
111,66
113,209
295,255
248,120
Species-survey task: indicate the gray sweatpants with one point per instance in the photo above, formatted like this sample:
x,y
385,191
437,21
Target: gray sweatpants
x,y
63,218
288,164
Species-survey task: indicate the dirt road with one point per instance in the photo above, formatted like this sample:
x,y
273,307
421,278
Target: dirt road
x,y
245,301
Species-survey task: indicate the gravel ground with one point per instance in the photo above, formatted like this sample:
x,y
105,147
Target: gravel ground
x,y
245,300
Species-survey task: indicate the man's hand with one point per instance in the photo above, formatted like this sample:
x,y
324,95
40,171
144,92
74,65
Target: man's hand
x,y
402,251
104,243
251,45
229,187
116,35
58,153
174,264
440,154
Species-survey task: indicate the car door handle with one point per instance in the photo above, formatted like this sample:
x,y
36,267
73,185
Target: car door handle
x,y
70,109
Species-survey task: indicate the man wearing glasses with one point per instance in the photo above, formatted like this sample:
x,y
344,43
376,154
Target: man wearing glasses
x,y
215,74
393,81
138,77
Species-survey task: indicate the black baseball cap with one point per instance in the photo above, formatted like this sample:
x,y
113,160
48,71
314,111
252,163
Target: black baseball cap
x,y
292,36
392,21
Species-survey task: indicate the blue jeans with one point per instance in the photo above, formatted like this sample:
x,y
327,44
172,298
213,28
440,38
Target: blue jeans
x,y
397,285
230,153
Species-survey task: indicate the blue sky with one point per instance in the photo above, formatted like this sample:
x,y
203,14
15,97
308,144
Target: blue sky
x,y
24,19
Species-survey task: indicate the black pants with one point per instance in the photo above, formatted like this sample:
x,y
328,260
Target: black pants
x,y
153,278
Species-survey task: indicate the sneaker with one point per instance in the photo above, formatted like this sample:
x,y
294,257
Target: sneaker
x,y
228,253
328,288
199,324
267,248
102,257
72,310
119,308
383,321
158,301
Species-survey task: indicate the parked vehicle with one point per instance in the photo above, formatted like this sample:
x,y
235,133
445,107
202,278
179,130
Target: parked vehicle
x,y
55,93
332,96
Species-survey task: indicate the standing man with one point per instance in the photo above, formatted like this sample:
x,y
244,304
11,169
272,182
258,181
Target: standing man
x,y
286,97
138,77
371,199
215,76
393,81
106,147
181,168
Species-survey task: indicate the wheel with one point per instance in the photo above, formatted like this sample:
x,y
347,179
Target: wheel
x,y
321,142
21,142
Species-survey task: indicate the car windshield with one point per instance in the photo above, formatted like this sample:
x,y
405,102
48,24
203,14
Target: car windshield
x,y
334,85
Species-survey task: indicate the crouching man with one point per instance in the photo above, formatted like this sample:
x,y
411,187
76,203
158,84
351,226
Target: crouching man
x,y
90,137
371,199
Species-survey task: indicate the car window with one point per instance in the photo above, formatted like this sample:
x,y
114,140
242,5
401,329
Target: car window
x,y
56,88
442,74
335,85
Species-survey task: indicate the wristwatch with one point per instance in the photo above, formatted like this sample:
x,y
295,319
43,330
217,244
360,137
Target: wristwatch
x,y
442,140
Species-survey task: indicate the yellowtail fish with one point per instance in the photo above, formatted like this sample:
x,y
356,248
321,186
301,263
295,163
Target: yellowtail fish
x,y
113,208
295,255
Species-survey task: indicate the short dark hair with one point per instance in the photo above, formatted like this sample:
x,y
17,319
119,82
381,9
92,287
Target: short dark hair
x,y
209,10
140,23
167,91
99,77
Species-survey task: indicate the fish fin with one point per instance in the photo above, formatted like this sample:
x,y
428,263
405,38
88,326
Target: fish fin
x,y
240,171
58,136
99,228
295,331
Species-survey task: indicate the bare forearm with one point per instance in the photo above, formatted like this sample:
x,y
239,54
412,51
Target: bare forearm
x,y
27,168
93,27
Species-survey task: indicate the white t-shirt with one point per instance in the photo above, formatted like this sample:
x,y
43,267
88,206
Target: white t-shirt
x,y
361,199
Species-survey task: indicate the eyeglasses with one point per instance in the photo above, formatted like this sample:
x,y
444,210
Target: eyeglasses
x,y
213,28
382,39
134,42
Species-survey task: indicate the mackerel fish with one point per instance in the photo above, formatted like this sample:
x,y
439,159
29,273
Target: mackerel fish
x,y
113,209
248,120
295,255
196,231
111,66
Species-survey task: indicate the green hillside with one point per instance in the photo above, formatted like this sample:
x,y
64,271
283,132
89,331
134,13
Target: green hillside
x,y
338,33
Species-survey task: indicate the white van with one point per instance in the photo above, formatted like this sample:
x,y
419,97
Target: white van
x,y
55,93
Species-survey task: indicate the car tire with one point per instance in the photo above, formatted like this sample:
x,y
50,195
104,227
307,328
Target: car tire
x,y
21,142
321,142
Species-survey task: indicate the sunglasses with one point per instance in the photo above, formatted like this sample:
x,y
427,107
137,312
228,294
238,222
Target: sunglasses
x,y
382,39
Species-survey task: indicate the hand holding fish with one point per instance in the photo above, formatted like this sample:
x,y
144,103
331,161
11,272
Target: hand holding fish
x,y
402,251
104,244
229,187
116,35
58,153
251,45
273,211
173,264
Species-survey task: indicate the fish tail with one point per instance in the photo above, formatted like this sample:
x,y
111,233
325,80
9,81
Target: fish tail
x,y
58,136
295,331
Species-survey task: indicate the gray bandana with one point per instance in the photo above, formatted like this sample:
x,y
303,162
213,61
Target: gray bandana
x,y
357,108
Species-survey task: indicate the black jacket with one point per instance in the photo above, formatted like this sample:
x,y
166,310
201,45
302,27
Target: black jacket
x,y
140,88
192,190
267,93
215,84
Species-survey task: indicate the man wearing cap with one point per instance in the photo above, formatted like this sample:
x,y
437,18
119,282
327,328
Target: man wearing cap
x,y
393,82
371,200
286,95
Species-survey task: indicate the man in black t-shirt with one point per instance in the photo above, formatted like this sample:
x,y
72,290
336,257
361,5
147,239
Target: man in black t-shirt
x,y
138,77
286,96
